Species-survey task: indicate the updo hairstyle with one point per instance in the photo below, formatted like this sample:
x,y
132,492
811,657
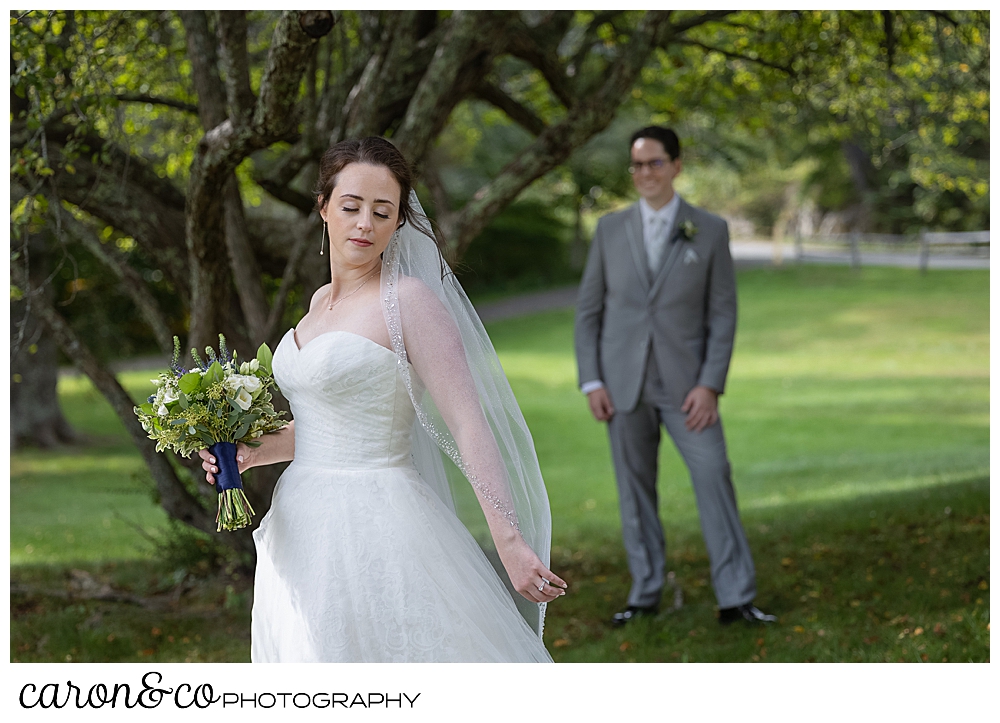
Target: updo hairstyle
x,y
373,151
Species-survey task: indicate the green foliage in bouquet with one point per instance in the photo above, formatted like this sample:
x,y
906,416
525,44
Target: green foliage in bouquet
x,y
220,400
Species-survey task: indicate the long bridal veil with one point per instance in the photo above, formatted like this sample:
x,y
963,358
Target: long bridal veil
x,y
516,491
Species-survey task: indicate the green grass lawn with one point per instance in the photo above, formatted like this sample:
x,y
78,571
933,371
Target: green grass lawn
x,y
84,503
857,416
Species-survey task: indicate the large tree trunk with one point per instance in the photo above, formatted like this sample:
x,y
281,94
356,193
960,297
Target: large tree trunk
x,y
35,415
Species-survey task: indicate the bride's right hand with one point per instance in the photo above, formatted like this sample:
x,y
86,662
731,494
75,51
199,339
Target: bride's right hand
x,y
528,574
244,461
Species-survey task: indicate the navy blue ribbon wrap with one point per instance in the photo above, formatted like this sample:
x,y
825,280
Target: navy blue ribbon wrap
x,y
228,476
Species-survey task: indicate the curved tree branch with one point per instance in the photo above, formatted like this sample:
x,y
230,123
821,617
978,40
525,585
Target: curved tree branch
x,y
125,193
518,113
588,115
676,28
736,56
132,282
521,43
590,35
390,78
156,100
437,94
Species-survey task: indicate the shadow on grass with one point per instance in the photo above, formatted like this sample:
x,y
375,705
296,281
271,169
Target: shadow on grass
x,y
898,576
127,611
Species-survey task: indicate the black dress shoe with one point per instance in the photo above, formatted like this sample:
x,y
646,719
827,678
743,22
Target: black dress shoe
x,y
748,613
631,613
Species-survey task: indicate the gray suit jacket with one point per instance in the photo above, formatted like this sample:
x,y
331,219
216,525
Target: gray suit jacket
x,y
686,309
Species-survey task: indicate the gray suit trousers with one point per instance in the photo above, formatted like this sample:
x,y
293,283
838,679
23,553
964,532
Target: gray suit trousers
x,y
635,441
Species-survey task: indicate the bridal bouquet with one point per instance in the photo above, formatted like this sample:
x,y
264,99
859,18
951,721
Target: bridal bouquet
x,y
217,404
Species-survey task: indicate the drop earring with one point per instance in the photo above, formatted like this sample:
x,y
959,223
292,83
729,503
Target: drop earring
x,y
322,239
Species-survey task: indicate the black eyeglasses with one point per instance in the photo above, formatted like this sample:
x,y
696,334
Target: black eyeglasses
x,y
654,165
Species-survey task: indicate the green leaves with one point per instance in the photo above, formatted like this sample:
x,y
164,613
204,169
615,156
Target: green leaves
x,y
203,408
190,382
214,374
264,356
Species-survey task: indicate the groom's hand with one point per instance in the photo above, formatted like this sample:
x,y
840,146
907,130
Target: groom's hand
x,y
702,407
600,405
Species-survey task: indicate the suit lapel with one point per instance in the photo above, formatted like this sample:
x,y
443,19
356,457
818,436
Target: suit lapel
x,y
633,233
674,246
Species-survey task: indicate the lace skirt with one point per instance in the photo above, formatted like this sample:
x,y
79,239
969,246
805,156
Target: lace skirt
x,y
371,566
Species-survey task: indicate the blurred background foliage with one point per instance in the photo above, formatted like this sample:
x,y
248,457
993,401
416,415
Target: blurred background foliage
x,y
832,120
791,122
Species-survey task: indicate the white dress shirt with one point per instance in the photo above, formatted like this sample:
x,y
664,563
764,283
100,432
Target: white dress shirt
x,y
656,224
655,227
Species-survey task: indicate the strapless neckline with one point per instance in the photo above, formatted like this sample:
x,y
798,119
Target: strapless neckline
x,y
300,350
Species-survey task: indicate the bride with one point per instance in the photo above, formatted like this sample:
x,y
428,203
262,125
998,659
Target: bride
x,y
362,556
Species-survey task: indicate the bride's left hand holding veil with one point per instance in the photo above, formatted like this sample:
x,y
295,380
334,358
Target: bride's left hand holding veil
x,y
434,347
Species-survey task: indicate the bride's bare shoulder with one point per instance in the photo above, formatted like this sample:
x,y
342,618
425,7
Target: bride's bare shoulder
x,y
414,291
319,294
420,306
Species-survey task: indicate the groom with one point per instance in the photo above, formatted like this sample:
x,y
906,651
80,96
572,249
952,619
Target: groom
x,y
655,320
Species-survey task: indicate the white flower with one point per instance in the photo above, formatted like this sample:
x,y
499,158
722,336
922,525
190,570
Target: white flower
x,y
162,411
244,381
251,383
244,400
170,395
254,364
156,382
245,368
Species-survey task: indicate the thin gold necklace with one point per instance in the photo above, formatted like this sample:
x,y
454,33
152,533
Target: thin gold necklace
x,y
334,303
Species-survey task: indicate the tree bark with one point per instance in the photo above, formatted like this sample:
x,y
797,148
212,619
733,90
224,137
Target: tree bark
x,y
232,29
243,263
35,415
225,145
205,215
438,92
204,68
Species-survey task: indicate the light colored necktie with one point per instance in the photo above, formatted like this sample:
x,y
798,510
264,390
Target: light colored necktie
x,y
656,243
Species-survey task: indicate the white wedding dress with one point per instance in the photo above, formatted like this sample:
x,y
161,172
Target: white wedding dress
x,y
358,560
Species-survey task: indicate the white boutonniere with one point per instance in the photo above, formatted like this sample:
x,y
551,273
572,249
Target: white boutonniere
x,y
686,230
